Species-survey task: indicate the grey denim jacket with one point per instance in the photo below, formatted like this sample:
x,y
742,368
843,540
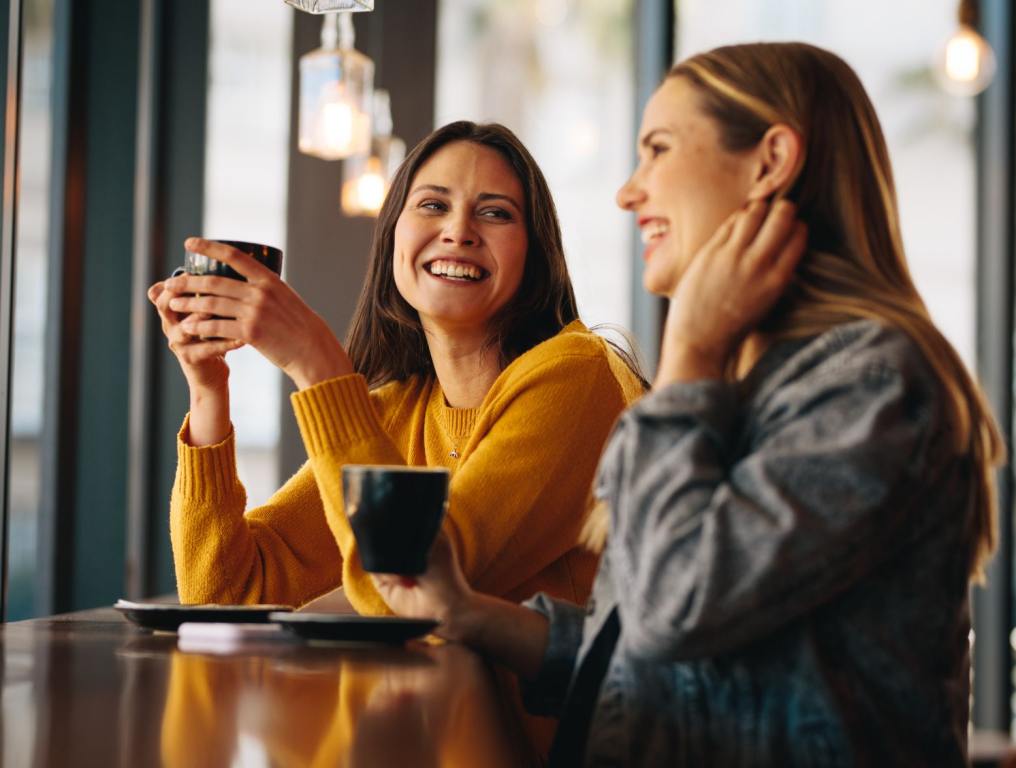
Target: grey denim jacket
x,y
789,559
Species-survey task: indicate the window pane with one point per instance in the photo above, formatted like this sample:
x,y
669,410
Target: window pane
x,y
930,134
30,309
245,195
560,74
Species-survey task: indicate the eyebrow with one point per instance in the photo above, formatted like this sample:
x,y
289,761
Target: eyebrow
x,y
646,140
483,196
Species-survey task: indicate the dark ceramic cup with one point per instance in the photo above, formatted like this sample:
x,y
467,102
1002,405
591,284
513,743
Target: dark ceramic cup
x,y
395,513
199,264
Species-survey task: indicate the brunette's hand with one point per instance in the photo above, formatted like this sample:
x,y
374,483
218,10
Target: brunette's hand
x,y
203,362
440,593
730,285
263,312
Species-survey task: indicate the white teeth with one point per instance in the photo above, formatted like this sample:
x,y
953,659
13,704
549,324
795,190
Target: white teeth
x,y
653,230
455,269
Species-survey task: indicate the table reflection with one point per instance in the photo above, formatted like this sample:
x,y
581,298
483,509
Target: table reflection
x,y
420,706
94,690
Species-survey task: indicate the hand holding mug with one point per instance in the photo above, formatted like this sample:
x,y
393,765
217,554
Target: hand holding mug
x,y
203,358
261,311
440,592
203,362
396,514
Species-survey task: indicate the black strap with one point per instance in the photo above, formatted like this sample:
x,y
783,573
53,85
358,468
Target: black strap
x,y
569,745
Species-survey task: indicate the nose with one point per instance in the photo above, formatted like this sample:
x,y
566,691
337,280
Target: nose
x,y
630,195
459,229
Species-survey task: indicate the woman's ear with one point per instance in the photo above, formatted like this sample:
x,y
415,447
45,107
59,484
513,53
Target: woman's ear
x,y
779,155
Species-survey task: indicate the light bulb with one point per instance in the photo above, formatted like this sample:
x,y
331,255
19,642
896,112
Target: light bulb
x,y
966,64
364,187
334,128
370,187
366,177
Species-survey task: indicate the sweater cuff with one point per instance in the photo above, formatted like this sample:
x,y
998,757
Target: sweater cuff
x,y
335,412
544,695
207,471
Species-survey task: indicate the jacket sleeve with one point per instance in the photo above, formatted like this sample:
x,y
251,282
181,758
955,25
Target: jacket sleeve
x,y
713,549
281,552
545,694
517,499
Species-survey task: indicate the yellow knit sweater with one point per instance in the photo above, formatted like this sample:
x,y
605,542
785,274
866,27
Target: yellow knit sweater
x,y
521,469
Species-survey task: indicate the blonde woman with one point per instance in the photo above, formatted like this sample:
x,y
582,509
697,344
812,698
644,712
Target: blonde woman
x,y
797,508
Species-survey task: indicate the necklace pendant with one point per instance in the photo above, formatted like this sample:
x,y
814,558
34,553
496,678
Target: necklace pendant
x,y
454,454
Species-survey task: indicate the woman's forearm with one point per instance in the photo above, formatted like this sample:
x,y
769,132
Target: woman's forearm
x,y
508,633
209,416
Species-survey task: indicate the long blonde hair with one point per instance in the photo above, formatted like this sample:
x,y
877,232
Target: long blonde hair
x,y
855,266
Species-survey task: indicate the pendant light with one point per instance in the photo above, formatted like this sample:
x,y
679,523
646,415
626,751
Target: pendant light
x,y
330,6
366,178
336,89
966,63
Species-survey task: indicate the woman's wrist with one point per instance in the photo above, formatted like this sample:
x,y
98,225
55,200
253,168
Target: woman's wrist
x,y
509,633
684,362
209,416
463,621
329,363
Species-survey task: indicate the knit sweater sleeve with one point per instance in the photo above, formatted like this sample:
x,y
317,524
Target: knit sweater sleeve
x,y
281,552
518,496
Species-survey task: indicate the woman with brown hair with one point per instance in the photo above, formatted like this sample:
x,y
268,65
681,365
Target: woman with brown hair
x,y
465,352
796,510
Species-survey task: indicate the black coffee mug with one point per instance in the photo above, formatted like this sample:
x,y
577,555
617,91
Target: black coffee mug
x,y
395,513
199,264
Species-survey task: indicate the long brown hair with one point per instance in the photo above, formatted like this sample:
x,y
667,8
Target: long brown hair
x,y
386,340
855,266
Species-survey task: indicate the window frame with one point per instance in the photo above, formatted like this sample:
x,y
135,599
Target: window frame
x,y
10,77
996,210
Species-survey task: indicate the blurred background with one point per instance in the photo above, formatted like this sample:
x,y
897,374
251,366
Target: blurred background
x,y
139,123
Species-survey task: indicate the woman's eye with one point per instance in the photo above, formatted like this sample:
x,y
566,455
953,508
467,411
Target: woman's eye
x,y
655,150
496,213
432,205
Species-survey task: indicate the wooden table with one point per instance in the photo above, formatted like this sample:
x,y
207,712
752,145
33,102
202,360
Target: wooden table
x,y
90,689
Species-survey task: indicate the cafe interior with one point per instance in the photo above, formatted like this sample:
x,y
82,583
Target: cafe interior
x,y
129,126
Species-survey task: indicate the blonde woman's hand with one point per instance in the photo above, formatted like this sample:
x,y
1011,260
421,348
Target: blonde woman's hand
x,y
730,285
263,312
440,593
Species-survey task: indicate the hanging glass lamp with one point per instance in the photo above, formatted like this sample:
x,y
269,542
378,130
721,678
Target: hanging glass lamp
x,y
366,178
330,6
336,91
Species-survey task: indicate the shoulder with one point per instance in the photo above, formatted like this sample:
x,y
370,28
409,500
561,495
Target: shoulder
x,y
394,397
856,362
395,390
866,349
577,355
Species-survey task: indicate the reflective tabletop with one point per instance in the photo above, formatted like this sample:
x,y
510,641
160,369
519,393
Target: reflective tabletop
x,y
91,689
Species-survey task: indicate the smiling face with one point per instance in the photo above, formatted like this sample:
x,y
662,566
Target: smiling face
x,y
686,184
461,240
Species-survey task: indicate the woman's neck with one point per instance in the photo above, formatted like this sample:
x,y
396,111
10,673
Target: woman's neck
x,y
464,364
750,352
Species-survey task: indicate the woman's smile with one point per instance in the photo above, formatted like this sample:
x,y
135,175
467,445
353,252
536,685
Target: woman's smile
x,y
456,270
653,231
